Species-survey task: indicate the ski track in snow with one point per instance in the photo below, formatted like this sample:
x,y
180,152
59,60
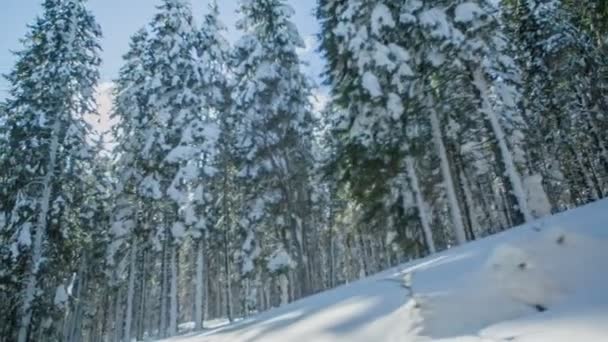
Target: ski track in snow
x,y
485,291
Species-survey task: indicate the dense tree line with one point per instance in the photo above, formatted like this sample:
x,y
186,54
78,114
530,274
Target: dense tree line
x,y
227,194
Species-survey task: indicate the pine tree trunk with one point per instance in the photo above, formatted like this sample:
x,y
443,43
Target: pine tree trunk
x,y
457,223
266,296
228,288
107,303
284,288
118,324
173,291
162,329
332,258
591,187
39,237
422,213
206,287
246,304
387,252
470,204
142,312
200,268
131,288
507,157
361,256
226,205
74,321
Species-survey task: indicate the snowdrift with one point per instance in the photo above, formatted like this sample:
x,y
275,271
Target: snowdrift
x,y
542,282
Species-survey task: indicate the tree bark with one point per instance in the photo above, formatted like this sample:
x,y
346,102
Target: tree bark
x,y
507,157
162,329
118,324
422,213
458,226
131,288
173,291
198,300
39,237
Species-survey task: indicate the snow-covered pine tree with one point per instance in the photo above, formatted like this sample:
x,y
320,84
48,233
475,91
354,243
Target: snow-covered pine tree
x,y
370,75
440,50
212,51
133,217
52,87
271,99
227,202
9,283
549,45
169,137
90,269
483,57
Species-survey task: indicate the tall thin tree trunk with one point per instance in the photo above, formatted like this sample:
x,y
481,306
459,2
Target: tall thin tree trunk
x,y
226,205
39,237
291,285
228,288
200,268
266,295
142,312
173,291
332,258
361,256
118,324
470,204
591,186
105,317
131,288
206,287
507,157
72,328
284,288
422,213
458,226
162,329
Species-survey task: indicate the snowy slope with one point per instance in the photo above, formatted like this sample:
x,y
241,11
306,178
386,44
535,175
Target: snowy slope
x,y
544,282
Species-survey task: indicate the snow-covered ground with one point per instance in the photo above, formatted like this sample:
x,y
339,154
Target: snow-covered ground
x,y
543,282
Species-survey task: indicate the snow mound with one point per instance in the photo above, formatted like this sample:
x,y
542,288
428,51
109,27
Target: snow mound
x,y
539,272
517,274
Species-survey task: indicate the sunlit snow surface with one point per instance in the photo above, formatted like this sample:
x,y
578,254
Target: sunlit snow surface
x,y
486,291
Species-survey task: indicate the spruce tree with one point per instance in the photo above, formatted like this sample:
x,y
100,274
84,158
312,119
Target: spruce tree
x,y
52,88
212,49
167,99
271,99
371,72
550,45
214,53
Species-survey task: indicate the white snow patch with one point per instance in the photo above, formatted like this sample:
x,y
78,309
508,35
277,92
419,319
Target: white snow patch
x,y
178,230
371,84
181,153
395,106
310,42
538,201
437,21
467,11
61,296
25,235
280,261
381,18
150,187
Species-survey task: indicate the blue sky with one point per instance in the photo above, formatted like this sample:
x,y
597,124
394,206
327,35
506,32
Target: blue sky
x,y
121,18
